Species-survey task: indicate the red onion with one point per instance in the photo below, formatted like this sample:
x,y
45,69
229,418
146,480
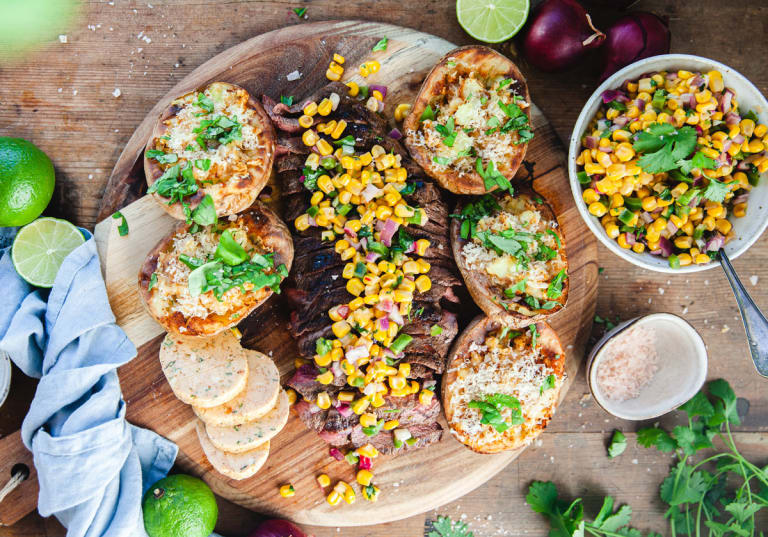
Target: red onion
x,y
380,89
343,311
560,33
344,409
385,305
355,353
741,198
370,257
640,103
696,82
665,245
388,231
364,463
606,149
672,228
614,95
715,243
743,165
655,252
738,139
725,101
590,142
633,37
692,101
621,121
336,454
395,134
396,317
646,217
699,130
384,323
630,237
276,527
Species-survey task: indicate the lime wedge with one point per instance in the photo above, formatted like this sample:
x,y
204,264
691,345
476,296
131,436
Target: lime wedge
x,y
39,249
492,21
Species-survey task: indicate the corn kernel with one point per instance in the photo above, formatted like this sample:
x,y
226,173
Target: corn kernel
x,y
359,406
355,287
597,209
323,400
368,420
354,89
309,138
364,477
292,396
325,107
702,259
310,109
723,226
339,129
302,222
423,283
323,480
368,450
325,378
333,498
286,491
425,397
341,328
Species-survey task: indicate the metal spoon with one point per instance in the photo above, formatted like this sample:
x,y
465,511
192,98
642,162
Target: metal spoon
x,y
755,323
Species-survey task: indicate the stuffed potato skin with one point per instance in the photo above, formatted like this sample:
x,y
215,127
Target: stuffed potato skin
x,y
453,86
488,290
484,362
233,173
164,283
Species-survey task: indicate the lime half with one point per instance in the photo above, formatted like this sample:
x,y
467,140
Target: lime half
x,y
179,506
492,21
39,249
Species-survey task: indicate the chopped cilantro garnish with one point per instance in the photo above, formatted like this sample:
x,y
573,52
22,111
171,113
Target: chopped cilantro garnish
x,y
203,164
663,146
220,129
491,407
152,281
169,186
161,156
555,288
534,335
548,384
716,191
205,213
436,330
428,113
447,132
122,229
381,45
300,11
204,102
287,100
492,177
443,161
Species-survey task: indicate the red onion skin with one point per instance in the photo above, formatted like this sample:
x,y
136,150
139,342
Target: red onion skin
x,y
276,527
559,35
633,37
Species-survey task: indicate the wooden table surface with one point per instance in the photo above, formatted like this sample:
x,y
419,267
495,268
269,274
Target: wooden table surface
x,y
61,98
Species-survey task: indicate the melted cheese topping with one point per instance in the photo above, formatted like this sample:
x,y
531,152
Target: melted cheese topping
x,y
229,163
473,103
171,293
497,368
519,214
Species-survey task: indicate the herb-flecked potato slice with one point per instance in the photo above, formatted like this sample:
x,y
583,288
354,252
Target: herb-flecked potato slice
x,y
215,141
470,124
200,282
511,252
501,386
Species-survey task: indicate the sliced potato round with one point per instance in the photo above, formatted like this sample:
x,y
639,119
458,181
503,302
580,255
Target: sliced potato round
x,y
257,399
233,465
249,435
474,104
489,362
164,276
235,162
204,372
491,278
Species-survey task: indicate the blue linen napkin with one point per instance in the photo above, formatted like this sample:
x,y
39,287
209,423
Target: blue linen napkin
x,y
93,466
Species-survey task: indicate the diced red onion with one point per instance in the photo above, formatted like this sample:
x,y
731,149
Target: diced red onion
x,y
646,217
396,317
685,99
699,181
371,388
343,311
699,130
606,149
388,231
614,95
621,121
640,103
383,323
344,409
590,142
370,257
740,198
725,101
631,238
312,222
336,453
696,82
355,353
336,368
385,305
364,463
692,101
602,124
348,231
666,247
395,134
301,179
380,89
671,75
732,118
655,252
715,243
738,139
743,165
672,228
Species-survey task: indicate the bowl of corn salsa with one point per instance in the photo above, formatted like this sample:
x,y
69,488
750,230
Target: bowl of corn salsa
x,y
668,163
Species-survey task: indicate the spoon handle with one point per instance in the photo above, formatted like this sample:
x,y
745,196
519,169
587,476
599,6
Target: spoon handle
x,y
755,323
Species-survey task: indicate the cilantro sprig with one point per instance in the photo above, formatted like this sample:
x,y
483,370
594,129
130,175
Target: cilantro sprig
x,y
445,527
491,407
663,146
492,177
473,212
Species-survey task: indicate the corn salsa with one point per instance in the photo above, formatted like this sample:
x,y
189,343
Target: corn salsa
x,y
665,162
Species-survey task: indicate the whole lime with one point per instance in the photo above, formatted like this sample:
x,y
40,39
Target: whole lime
x,y
179,506
26,181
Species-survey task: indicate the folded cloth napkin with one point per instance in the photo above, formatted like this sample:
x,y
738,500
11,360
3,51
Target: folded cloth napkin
x,y
92,465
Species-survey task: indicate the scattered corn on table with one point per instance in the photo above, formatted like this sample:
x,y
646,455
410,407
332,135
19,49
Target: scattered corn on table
x,y
71,84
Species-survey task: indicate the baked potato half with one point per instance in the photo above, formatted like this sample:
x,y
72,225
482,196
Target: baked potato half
x,y
501,386
470,124
199,282
511,253
217,141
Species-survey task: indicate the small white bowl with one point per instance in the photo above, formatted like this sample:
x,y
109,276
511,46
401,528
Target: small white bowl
x,y
747,229
682,368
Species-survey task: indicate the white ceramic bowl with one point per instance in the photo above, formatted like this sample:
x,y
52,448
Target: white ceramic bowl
x,y
5,376
682,368
746,229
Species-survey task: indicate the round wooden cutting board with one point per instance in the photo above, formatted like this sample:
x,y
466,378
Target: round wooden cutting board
x,y
416,481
